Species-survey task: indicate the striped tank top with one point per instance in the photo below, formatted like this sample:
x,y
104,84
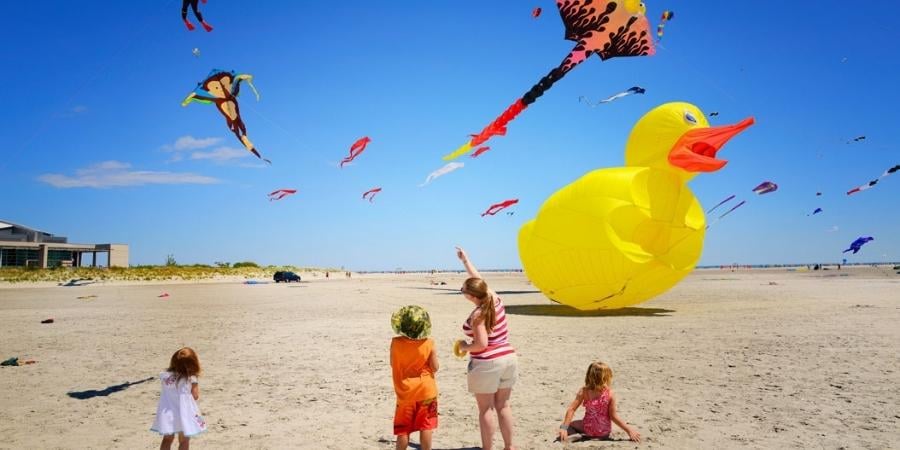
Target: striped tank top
x,y
498,338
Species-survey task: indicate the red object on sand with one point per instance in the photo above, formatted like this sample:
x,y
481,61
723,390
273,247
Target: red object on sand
x,y
164,294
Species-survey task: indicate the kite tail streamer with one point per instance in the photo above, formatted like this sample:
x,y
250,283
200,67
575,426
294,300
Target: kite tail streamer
x,y
498,126
249,80
721,203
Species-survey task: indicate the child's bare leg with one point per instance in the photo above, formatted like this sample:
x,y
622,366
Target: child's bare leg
x,y
577,425
402,441
166,443
184,442
425,439
576,429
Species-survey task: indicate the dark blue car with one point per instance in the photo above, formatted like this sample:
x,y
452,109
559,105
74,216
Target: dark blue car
x,y
286,277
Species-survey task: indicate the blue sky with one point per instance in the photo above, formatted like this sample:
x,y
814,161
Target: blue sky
x,y
93,92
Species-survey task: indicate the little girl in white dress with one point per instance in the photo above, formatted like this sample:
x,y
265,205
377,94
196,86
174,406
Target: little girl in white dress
x,y
178,412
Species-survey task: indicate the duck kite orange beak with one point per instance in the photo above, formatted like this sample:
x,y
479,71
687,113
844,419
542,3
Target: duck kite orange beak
x,y
696,150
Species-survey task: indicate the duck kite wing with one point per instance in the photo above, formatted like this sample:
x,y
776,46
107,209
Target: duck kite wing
x,y
370,194
281,193
358,147
872,183
497,207
606,28
449,167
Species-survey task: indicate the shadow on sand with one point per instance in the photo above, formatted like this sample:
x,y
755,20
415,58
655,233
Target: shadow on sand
x,y
84,395
419,447
77,282
456,291
566,311
517,292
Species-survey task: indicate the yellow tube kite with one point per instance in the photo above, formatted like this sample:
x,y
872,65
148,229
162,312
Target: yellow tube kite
x,y
620,236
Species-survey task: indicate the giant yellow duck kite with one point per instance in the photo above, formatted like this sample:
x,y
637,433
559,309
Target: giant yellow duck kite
x,y
622,235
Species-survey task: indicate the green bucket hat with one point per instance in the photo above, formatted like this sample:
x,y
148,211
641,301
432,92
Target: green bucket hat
x,y
412,321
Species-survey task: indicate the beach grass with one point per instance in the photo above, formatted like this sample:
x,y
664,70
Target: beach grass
x,y
144,273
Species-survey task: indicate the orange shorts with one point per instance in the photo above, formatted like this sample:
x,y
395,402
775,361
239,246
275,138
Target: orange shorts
x,y
418,416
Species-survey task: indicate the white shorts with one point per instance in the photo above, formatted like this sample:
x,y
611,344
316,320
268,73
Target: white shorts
x,y
487,376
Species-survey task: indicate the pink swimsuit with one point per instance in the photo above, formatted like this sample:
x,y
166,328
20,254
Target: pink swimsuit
x,y
596,415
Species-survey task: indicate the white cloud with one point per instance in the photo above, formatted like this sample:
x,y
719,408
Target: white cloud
x,y
108,174
221,154
191,143
78,109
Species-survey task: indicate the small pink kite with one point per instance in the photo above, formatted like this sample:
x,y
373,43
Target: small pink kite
x,y
281,193
480,150
356,149
371,194
497,207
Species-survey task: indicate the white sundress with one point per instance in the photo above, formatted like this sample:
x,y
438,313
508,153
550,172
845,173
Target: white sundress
x,y
177,411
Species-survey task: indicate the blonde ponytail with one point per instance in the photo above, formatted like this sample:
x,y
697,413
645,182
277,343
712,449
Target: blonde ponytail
x,y
477,288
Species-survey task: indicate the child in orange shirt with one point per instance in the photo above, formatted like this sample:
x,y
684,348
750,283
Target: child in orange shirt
x,y
413,364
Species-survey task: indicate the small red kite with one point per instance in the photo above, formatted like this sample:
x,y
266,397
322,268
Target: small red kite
x,y
497,207
371,194
356,149
281,193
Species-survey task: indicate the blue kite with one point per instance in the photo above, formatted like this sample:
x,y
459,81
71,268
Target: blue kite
x,y
858,243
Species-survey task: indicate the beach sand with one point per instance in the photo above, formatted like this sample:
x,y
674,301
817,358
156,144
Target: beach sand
x,y
724,360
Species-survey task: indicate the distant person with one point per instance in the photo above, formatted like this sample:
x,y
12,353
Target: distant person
x,y
599,408
413,365
178,412
326,275
493,364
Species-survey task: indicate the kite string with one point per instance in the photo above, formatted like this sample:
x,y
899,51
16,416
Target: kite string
x,y
699,74
294,137
91,79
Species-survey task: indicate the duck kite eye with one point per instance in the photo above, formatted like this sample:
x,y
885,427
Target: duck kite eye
x,y
689,118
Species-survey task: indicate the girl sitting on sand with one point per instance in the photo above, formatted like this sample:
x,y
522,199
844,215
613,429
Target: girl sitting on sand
x,y
178,412
599,407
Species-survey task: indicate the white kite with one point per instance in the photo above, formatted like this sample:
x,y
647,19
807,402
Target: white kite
x,y
450,167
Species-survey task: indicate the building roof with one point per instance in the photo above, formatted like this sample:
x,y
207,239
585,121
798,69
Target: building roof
x,y
10,231
7,224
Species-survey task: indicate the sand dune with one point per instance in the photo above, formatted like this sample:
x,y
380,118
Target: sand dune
x,y
724,360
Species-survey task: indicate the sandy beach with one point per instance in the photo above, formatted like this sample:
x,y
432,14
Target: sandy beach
x,y
746,359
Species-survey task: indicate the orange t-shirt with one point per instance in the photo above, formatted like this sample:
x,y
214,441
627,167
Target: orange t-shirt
x,y
413,377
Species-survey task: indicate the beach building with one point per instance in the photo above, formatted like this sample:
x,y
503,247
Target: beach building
x,y
21,246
